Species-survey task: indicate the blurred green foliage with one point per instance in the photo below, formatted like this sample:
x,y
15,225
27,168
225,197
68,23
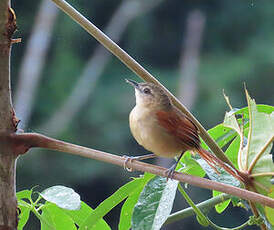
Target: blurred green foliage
x,y
237,47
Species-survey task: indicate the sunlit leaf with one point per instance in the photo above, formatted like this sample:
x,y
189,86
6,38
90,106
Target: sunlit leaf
x,y
63,197
54,218
23,217
191,166
108,204
221,134
155,204
221,206
269,212
24,194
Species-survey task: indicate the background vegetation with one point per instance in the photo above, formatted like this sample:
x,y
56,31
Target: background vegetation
x,y
236,47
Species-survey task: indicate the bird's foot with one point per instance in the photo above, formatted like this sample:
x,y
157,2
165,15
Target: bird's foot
x,y
170,172
128,159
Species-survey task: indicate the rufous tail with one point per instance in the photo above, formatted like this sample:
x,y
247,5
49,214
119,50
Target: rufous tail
x,y
214,161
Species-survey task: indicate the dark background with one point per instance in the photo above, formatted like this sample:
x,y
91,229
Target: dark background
x,y
236,47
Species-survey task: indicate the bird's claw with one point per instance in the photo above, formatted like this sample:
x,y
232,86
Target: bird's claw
x,y
170,172
128,159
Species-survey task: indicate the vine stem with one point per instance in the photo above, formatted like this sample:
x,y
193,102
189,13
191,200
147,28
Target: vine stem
x,y
138,69
205,205
22,142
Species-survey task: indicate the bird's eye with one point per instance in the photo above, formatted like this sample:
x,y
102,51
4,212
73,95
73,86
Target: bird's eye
x,y
146,90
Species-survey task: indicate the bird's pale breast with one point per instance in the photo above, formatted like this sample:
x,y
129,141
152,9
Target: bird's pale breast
x,y
148,133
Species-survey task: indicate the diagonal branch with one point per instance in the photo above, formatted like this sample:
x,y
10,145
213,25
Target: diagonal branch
x,y
86,83
22,142
138,69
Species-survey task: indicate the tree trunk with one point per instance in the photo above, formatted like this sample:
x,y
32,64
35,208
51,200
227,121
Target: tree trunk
x,y
8,122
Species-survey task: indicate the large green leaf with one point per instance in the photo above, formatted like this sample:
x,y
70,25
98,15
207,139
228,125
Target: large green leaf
x,y
63,197
79,216
128,206
255,157
116,198
155,204
54,218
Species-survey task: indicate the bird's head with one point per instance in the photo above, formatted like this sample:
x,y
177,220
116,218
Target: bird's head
x,y
150,95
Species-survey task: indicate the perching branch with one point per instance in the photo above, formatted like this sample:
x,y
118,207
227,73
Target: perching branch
x,y
138,69
22,142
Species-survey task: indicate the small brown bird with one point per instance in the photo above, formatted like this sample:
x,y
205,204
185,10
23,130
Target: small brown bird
x,y
161,128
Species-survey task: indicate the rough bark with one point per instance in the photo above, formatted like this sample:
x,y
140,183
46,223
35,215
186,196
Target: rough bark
x,y
8,122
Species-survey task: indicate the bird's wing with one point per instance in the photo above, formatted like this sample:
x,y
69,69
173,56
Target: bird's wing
x,y
180,126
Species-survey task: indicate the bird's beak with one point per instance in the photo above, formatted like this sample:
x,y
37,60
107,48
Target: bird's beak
x,y
133,83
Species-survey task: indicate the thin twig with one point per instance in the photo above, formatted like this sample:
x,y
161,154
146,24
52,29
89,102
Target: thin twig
x,y
25,141
138,69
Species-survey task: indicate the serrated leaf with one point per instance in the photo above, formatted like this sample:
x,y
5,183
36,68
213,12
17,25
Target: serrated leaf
x,y
54,218
63,197
128,206
23,217
116,198
221,206
155,204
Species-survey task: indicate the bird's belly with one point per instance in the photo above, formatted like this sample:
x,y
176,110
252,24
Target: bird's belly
x,y
153,137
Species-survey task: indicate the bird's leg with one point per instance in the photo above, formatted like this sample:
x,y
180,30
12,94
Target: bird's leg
x,y
138,158
169,172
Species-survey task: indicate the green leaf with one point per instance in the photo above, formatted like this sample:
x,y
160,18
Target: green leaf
x,y
23,216
222,177
221,134
79,216
221,206
261,108
155,204
24,194
269,212
255,157
63,197
191,166
231,122
116,198
128,206
54,218
232,151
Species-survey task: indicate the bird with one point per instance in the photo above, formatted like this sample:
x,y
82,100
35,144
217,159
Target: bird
x,y
161,128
